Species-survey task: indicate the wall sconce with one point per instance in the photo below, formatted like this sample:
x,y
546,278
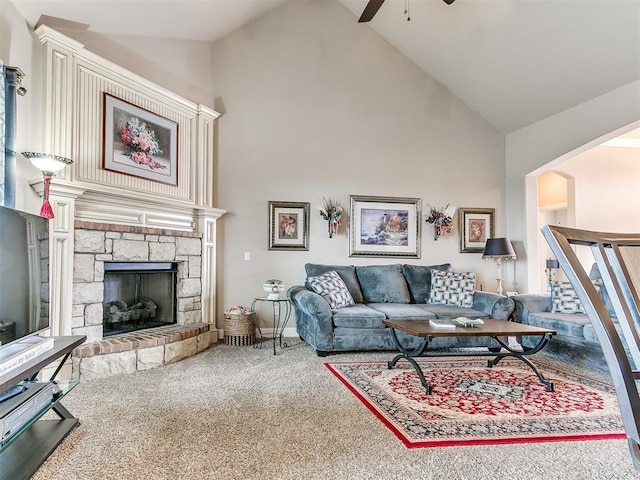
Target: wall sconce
x,y
442,220
499,249
551,265
47,164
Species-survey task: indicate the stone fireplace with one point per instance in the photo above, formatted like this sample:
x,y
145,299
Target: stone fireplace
x,y
137,295
107,255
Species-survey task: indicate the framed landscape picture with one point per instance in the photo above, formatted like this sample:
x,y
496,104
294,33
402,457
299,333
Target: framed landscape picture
x,y
289,226
476,225
384,227
138,142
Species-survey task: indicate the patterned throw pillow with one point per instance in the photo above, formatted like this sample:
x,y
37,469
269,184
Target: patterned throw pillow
x,y
564,298
332,288
448,288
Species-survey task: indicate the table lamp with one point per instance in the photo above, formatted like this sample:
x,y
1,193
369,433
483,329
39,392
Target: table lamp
x,y
47,164
499,249
551,265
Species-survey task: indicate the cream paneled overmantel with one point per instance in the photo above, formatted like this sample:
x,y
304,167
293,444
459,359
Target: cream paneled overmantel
x,y
75,82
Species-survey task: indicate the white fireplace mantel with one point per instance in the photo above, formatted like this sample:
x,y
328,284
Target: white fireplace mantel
x,y
74,84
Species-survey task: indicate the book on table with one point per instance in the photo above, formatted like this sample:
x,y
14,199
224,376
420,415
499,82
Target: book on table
x,y
439,324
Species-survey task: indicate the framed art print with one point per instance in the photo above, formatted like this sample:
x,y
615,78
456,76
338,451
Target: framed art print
x,y
289,226
384,227
138,142
476,225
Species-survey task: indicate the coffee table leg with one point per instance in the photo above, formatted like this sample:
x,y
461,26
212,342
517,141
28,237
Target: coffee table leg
x,y
520,356
408,356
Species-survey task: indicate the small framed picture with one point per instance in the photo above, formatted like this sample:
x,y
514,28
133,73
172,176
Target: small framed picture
x,y
138,142
289,226
476,225
384,227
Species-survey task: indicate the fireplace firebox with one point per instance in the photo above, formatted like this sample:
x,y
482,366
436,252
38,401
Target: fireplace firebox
x,y
138,295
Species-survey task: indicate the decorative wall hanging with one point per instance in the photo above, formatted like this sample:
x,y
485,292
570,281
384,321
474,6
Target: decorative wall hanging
x,y
476,226
138,142
442,220
288,226
332,212
385,227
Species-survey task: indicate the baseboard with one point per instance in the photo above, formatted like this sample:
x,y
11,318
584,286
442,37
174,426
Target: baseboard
x,y
288,332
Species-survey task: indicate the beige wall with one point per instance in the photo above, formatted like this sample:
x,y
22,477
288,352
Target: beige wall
x,y
315,105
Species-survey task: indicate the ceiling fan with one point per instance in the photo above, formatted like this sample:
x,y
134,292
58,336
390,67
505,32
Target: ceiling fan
x,y
374,5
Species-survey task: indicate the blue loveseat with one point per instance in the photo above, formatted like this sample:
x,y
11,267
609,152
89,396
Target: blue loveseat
x,y
384,292
561,311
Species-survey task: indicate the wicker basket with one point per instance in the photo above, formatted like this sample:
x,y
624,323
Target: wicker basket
x,y
239,329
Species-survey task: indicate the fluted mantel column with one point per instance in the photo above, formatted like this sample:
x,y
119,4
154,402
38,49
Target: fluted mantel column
x,y
62,196
206,221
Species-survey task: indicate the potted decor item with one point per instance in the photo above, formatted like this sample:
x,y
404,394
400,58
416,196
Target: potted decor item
x,y
274,288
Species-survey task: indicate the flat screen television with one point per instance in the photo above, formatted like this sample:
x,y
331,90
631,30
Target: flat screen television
x,y
24,275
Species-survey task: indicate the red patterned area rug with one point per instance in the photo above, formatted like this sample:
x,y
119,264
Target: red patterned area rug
x,y
472,404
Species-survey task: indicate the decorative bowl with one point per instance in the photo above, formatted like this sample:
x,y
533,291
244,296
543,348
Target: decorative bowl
x,y
273,288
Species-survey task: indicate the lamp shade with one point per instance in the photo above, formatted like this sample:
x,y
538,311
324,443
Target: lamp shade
x,y
498,248
48,164
552,263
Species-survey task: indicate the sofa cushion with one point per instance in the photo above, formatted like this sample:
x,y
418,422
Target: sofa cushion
x,y
564,298
452,311
402,311
358,316
419,280
346,272
332,288
383,284
565,324
448,288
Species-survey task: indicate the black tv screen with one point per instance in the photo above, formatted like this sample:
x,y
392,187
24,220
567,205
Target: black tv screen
x,y
24,275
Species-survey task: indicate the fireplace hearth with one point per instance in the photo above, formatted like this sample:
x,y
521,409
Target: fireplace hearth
x,y
138,295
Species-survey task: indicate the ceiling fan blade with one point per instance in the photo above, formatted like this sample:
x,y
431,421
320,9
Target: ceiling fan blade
x,y
370,10
449,2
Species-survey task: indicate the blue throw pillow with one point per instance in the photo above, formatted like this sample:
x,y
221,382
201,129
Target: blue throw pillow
x,y
419,280
383,284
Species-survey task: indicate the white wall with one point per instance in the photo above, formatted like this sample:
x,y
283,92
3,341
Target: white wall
x,y
316,105
607,189
549,142
18,49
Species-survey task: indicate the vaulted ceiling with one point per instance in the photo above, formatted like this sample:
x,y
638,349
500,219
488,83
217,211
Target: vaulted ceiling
x,y
514,62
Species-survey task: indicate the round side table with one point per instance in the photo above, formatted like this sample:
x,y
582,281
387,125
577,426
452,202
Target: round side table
x,y
281,313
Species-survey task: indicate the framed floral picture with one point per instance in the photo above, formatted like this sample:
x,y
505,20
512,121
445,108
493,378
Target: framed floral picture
x,y
138,142
476,225
384,227
289,226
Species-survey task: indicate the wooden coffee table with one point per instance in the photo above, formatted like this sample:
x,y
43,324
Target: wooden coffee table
x,y
491,328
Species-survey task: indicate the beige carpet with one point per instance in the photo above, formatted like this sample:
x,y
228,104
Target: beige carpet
x,y
241,413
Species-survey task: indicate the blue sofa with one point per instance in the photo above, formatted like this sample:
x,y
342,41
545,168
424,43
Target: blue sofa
x,y
384,292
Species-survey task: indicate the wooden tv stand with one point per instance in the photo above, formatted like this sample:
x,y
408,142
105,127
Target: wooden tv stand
x,y
23,453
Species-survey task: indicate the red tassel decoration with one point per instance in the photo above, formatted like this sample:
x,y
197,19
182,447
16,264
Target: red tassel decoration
x,y
46,211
